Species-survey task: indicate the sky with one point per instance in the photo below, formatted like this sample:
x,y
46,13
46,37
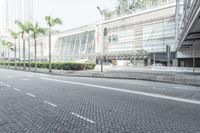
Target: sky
x,y
74,13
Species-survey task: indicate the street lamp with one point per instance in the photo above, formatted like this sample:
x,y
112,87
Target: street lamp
x,y
102,60
99,9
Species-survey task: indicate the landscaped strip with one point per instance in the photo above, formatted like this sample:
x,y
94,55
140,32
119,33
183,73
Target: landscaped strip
x,y
55,65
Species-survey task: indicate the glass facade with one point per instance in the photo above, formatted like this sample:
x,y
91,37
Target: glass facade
x,y
75,45
150,31
121,38
159,33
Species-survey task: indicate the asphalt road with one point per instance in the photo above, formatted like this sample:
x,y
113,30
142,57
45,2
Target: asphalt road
x,y
40,103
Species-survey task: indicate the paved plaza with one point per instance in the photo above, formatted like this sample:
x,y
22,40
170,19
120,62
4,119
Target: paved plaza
x,y
42,103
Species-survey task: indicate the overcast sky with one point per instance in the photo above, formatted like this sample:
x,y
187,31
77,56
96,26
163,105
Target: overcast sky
x,y
74,13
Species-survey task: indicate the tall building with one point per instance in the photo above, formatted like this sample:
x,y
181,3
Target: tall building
x,y
139,38
11,10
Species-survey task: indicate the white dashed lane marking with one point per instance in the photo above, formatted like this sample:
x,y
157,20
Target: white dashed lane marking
x,y
30,94
83,118
50,103
26,79
16,89
7,85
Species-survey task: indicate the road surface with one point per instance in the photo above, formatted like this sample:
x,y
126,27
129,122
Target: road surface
x,y
40,103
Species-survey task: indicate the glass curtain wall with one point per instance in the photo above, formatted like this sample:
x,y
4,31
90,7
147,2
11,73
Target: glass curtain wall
x,y
75,45
151,35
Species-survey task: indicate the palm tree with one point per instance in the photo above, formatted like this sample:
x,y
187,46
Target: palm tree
x,y
3,43
19,48
36,30
51,22
23,28
9,46
27,31
15,36
2,49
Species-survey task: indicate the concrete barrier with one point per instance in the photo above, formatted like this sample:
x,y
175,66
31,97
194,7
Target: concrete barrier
x,y
175,69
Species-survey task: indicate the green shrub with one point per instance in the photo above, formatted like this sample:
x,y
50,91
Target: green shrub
x,y
90,66
55,65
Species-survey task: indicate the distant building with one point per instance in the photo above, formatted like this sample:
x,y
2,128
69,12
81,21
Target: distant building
x,y
139,38
11,10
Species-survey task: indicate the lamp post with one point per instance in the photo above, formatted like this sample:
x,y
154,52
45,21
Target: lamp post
x,y
102,59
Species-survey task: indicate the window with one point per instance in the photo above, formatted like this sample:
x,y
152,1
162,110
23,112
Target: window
x,y
114,38
110,39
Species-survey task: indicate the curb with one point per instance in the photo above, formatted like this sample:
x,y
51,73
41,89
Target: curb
x,y
175,79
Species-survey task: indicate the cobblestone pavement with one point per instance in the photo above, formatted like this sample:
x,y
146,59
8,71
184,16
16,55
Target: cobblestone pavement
x,y
40,103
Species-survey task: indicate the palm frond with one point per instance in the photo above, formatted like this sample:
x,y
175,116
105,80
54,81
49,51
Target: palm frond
x,y
3,42
9,44
36,30
28,26
52,22
14,34
49,21
57,21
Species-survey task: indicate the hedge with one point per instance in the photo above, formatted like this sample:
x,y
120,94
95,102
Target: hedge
x,y
55,65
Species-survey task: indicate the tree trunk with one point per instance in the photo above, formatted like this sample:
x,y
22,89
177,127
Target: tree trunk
x,y
29,54
15,48
35,43
7,53
8,57
50,52
24,58
4,59
19,52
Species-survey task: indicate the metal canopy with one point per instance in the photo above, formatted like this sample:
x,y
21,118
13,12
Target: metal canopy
x,y
125,55
119,55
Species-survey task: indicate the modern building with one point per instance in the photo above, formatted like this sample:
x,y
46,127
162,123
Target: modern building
x,y
10,11
139,38
160,34
72,45
188,48
147,32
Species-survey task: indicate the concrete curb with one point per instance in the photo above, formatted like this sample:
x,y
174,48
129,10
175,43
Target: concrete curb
x,y
168,78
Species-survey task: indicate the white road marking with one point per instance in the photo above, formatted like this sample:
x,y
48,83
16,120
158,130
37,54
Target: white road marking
x,y
30,94
83,118
182,88
128,91
9,77
16,89
50,103
7,85
25,79
186,88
